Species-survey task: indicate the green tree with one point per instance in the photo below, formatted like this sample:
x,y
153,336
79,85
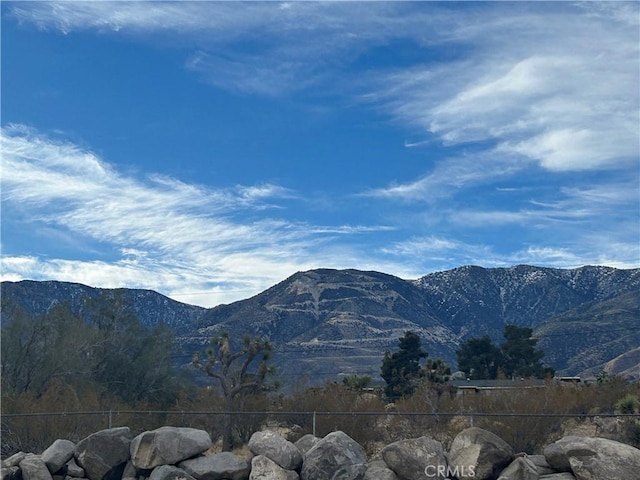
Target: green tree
x,y
401,370
231,370
107,350
479,358
37,349
131,360
521,358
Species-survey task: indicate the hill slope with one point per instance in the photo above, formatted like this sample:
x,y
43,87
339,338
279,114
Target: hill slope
x,y
326,323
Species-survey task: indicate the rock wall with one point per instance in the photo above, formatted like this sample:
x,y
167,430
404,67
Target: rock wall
x,y
172,453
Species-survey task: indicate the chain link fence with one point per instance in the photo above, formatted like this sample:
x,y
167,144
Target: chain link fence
x,y
34,432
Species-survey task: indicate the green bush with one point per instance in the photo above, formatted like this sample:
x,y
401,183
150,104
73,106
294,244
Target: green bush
x,y
628,404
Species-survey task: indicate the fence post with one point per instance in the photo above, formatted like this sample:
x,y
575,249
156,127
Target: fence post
x,y
314,423
110,419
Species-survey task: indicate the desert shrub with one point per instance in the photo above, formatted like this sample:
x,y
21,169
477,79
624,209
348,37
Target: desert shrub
x,y
338,407
26,428
628,404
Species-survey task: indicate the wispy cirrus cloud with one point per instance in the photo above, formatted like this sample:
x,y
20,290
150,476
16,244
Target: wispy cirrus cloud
x,y
556,88
508,90
166,233
550,84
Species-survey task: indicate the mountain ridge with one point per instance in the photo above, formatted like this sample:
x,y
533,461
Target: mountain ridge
x,y
326,323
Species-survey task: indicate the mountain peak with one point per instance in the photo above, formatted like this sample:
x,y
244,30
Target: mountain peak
x,y
326,322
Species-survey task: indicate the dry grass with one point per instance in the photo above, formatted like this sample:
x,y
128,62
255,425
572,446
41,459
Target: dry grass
x,y
428,412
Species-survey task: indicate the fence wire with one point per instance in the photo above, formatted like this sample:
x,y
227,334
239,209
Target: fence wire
x,y
34,432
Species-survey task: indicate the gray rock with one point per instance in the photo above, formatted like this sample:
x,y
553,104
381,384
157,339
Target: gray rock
x,y
378,470
263,468
169,472
14,460
104,454
306,443
478,454
592,458
520,469
276,448
225,465
130,472
74,470
416,458
168,446
350,472
558,476
34,468
10,473
556,456
58,454
329,455
541,464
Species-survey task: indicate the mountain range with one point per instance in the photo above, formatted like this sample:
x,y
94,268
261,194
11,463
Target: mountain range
x,y
328,323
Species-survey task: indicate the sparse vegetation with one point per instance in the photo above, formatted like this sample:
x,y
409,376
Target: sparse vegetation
x,y
628,404
527,417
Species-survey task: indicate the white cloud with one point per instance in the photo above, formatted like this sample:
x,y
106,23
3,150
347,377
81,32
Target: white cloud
x,y
448,177
555,83
521,84
169,234
552,85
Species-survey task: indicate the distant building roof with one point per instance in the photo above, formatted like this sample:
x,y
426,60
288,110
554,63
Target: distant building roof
x,y
498,384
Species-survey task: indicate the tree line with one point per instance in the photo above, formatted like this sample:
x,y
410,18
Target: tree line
x,y
478,358
108,352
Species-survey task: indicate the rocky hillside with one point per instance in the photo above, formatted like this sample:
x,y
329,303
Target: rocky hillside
x,y
329,323
595,336
477,300
151,307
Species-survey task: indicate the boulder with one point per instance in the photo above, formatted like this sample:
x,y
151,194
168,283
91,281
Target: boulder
x,y
334,452
14,460
34,468
520,469
10,473
415,458
558,476
168,446
58,454
478,454
379,470
169,472
591,458
104,454
225,465
556,456
276,448
263,468
541,464
306,443
74,470
350,472
132,473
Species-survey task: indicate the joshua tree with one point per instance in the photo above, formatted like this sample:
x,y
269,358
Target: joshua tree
x,y
231,371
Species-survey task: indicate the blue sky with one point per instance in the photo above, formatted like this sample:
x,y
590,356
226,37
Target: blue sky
x,y
208,150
